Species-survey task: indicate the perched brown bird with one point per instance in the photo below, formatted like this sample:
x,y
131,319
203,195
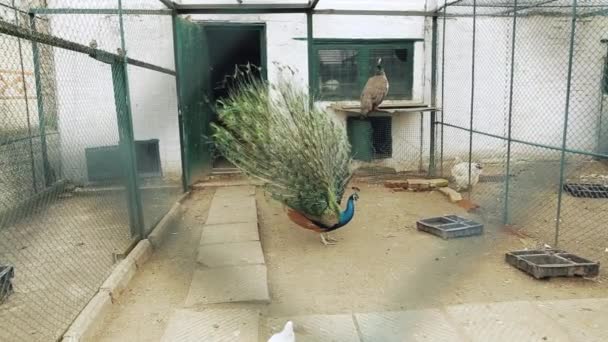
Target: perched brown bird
x,y
375,91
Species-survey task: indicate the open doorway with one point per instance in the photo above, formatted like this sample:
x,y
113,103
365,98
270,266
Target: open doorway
x,y
230,46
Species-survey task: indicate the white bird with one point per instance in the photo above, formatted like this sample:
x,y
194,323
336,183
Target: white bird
x,y
460,173
286,335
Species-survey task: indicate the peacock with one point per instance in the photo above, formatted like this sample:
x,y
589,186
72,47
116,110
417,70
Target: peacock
x,y
375,90
300,153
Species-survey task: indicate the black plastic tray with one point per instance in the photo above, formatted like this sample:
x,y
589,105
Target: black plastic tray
x,y
552,263
450,226
588,190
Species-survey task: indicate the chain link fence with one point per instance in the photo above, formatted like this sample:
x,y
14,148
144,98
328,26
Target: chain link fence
x,y
89,150
522,90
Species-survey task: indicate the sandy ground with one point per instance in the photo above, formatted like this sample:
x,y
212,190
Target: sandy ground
x,y
143,311
383,263
380,263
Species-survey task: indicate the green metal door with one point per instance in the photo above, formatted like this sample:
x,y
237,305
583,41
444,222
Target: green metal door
x,y
360,135
192,63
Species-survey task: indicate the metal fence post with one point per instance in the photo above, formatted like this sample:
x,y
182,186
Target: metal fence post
x,y
433,116
472,97
309,42
120,79
49,177
180,117
562,162
603,83
512,75
27,105
443,29
127,148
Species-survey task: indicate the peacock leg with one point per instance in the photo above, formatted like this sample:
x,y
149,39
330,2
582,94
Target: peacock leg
x,y
327,241
329,238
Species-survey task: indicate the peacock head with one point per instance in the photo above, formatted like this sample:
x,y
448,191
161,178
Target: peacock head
x,y
379,69
355,195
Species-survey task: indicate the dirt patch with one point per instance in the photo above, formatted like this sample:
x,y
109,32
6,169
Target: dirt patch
x,y
383,263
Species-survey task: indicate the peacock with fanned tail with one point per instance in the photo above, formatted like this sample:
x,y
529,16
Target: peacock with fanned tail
x,y
300,154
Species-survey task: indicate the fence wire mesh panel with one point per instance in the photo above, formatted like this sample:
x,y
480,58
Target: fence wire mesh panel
x,y
522,89
386,145
89,150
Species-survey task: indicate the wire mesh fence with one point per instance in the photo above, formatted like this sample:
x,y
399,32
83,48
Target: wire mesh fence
x,y
522,86
89,150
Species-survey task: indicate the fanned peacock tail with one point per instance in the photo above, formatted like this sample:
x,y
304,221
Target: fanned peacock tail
x,y
301,154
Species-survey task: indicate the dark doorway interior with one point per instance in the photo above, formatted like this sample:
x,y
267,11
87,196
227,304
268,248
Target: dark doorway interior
x,y
232,46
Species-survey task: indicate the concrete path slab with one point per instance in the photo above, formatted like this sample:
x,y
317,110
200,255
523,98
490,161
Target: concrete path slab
x,y
229,284
512,321
415,325
212,325
231,254
231,232
583,319
232,210
235,192
315,328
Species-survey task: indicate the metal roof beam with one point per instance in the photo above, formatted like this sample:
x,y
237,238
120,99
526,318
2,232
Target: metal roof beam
x,y
168,3
100,55
99,11
539,5
453,3
374,12
237,8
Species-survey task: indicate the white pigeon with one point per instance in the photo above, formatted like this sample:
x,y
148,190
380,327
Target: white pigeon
x,y
460,173
286,335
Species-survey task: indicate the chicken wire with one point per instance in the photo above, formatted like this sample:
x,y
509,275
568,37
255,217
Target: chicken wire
x,y
522,89
89,150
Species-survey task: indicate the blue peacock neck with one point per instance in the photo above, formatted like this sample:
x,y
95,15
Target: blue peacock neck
x,y
348,213
345,216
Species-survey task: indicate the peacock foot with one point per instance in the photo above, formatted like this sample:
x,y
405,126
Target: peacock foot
x,y
327,240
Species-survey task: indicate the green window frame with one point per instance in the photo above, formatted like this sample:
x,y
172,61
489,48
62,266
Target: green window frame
x,y
341,67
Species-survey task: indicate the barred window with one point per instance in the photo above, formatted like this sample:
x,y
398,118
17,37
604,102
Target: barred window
x,y
343,67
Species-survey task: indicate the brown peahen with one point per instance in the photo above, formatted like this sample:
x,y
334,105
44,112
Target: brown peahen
x,y
375,91
302,155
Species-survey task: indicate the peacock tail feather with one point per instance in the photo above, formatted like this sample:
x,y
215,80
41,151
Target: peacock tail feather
x,y
302,155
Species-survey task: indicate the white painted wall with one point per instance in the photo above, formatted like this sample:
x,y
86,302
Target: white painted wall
x,y
540,78
86,99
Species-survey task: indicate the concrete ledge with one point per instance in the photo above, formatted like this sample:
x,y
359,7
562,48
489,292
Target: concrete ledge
x,y
88,322
184,197
120,277
159,232
141,253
